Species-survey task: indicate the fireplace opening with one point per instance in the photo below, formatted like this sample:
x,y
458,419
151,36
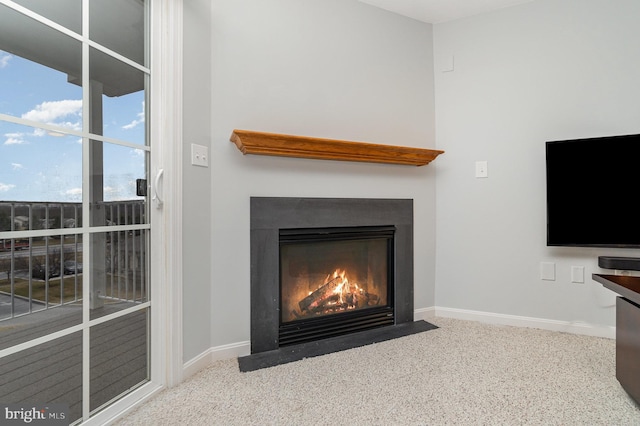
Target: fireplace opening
x,y
335,281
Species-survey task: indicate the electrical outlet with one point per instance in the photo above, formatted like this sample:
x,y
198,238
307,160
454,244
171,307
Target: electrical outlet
x,y
481,169
577,274
199,155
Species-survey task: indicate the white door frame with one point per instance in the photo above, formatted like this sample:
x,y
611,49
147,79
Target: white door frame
x,y
166,116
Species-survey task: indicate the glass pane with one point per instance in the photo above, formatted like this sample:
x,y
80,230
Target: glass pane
x,y
119,274
119,356
125,116
122,166
120,26
47,373
64,12
39,274
115,171
39,165
319,278
41,80
114,179
121,90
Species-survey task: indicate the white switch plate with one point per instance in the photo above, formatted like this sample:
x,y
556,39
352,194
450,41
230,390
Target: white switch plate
x,y
577,274
481,169
199,155
448,64
548,271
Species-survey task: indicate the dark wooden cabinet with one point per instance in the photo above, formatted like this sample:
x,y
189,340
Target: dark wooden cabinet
x,y
628,346
627,330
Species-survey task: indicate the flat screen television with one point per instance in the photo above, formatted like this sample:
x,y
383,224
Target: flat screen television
x,y
592,190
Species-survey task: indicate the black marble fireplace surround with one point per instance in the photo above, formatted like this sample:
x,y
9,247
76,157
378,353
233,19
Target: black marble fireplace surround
x,y
270,215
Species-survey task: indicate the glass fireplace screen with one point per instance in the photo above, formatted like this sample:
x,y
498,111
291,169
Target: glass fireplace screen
x,y
331,271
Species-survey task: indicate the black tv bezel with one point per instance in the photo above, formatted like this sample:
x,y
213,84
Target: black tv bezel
x,y
601,139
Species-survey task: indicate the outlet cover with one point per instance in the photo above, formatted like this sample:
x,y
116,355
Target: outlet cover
x,y
577,274
548,271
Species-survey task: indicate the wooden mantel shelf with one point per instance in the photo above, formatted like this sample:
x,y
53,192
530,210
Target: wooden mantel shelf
x,y
261,143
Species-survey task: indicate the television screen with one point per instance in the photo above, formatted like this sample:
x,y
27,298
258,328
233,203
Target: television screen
x,y
591,189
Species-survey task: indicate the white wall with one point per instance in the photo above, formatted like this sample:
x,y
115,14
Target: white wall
x,y
324,68
546,70
196,194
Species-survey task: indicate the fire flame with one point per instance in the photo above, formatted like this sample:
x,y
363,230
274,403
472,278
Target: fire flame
x,y
335,294
346,292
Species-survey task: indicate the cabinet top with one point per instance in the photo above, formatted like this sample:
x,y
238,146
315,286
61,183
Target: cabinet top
x,y
626,286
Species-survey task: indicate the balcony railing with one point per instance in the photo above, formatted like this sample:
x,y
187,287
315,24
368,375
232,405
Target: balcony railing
x,y
43,272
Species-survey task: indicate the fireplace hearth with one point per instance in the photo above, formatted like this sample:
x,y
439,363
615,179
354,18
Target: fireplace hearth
x,y
327,274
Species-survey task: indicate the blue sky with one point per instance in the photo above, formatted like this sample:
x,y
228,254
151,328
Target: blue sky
x,y
38,165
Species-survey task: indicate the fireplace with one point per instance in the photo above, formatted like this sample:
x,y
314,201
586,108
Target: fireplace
x,y
327,267
334,281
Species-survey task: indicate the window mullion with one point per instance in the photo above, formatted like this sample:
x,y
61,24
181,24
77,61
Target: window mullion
x,y
86,211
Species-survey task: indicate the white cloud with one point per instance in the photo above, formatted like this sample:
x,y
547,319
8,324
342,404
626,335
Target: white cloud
x,y
133,124
4,60
77,125
73,194
16,166
18,138
6,187
52,111
14,139
138,120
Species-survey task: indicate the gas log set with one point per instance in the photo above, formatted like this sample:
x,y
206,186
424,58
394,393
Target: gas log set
x,y
335,294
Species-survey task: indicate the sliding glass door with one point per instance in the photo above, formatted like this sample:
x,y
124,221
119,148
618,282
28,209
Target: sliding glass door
x,y
75,223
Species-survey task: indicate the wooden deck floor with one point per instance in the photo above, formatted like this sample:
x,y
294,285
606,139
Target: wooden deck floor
x,y
52,372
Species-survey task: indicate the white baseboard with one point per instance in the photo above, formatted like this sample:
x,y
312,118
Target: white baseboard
x,y
574,327
217,353
425,314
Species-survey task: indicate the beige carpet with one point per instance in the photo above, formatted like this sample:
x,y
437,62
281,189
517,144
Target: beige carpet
x,y
463,373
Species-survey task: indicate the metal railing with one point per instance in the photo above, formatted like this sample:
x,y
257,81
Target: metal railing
x,y
43,272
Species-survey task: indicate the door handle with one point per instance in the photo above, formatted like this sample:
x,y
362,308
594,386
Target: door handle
x,y
156,194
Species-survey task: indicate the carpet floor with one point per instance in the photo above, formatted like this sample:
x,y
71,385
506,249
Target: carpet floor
x,y
463,373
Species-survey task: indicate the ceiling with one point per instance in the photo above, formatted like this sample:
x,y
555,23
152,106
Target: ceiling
x,y
436,11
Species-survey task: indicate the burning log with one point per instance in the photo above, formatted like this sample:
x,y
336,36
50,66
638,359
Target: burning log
x,y
336,294
318,297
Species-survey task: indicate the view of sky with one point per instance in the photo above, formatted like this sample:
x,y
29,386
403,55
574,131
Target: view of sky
x,y
42,165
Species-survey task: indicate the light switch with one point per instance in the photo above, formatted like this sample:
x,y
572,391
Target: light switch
x,y
481,169
448,65
199,155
